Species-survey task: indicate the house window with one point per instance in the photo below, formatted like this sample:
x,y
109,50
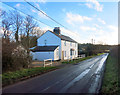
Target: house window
x,y
65,53
70,43
75,44
71,52
45,42
75,52
65,43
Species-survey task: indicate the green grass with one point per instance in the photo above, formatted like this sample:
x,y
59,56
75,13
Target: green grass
x,y
76,60
100,53
110,80
79,60
11,77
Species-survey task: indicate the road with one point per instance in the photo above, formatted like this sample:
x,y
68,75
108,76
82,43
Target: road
x,y
84,77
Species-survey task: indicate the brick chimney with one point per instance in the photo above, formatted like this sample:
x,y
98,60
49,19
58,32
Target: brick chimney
x,y
57,30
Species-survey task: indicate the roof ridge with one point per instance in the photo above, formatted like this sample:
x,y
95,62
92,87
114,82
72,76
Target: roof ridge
x,y
60,36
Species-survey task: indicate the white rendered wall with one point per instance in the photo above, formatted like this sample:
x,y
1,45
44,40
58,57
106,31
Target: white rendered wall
x,y
67,49
51,40
56,54
43,55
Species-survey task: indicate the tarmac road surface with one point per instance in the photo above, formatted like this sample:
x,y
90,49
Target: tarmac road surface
x,y
84,77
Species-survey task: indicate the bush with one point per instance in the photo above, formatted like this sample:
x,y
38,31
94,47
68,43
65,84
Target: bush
x,y
14,57
21,58
6,55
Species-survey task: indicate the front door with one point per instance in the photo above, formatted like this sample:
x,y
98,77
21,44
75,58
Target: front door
x,y
62,55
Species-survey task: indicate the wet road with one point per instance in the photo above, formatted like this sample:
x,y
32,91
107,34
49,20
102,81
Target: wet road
x,y
84,77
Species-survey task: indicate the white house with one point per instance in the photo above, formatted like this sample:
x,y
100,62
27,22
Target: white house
x,y
55,46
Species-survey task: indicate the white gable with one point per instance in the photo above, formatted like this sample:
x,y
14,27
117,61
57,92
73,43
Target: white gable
x,y
48,39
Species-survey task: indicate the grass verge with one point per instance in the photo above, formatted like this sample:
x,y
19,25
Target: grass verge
x,y
74,61
110,80
12,77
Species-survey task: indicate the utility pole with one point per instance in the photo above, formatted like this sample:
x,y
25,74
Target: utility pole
x,y
92,41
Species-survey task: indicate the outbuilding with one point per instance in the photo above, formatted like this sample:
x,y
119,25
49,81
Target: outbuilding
x,y
45,52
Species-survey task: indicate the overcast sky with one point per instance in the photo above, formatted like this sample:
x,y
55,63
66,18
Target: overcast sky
x,y
85,20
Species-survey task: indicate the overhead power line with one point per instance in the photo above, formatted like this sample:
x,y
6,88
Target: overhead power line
x,y
27,15
32,16
45,14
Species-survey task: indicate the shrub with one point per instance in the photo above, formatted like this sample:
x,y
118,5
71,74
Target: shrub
x,y
14,56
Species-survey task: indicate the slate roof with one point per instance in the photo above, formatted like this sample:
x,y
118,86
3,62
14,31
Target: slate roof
x,y
44,48
63,37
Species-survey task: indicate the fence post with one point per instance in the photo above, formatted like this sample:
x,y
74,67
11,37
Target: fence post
x,y
44,63
51,62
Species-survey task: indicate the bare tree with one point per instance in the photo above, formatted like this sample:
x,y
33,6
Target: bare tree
x,y
29,25
37,32
17,26
2,12
6,25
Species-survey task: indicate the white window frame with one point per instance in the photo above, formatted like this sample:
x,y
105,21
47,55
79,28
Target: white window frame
x,y
65,43
65,53
70,43
70,52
